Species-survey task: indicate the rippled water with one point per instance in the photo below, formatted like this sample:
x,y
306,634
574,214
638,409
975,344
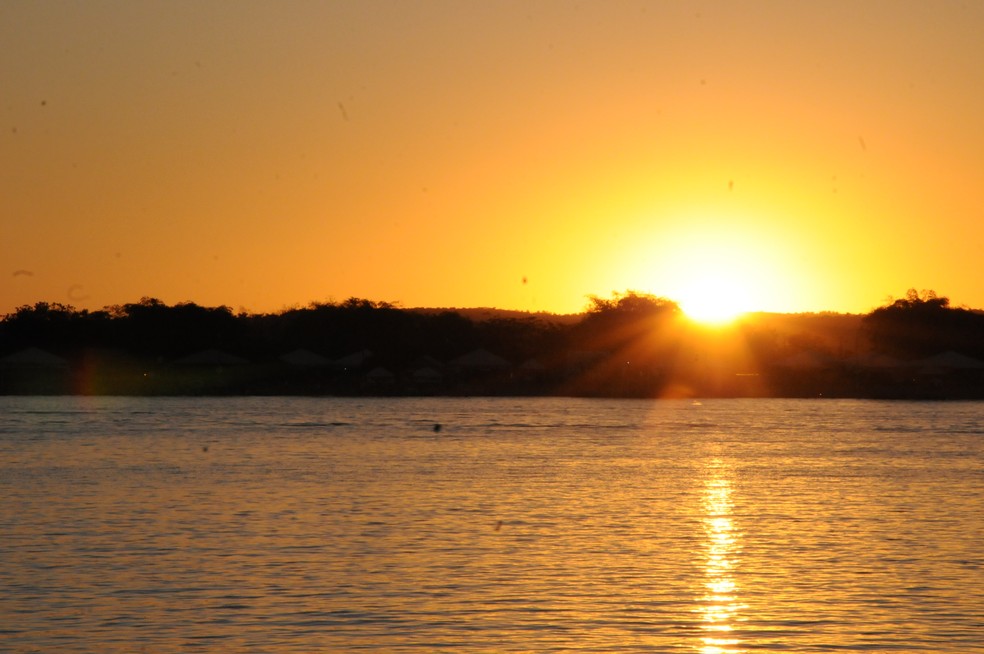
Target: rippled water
x,y
522,525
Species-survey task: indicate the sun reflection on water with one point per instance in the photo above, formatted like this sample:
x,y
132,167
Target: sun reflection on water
x,y
720,605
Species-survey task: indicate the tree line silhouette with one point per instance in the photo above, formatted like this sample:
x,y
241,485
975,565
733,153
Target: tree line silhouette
x,y
629,345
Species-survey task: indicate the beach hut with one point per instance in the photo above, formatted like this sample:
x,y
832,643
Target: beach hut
x,y
427,361
301,358
481,360
34,358
34,371
211,357
379,377
353,361
946,362
426,376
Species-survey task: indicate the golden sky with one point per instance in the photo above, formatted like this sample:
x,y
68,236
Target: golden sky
x,y
782,156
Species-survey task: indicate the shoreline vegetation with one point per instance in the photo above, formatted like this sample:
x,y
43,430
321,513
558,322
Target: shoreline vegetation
x,y
631,345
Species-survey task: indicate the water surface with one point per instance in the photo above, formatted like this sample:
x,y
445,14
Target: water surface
x,y
522,525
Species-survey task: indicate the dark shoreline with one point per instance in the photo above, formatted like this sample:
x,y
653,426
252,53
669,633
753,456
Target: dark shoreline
x,y
632,346
279,380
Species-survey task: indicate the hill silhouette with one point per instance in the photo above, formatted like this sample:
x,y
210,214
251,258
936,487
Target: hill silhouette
x,y
629,345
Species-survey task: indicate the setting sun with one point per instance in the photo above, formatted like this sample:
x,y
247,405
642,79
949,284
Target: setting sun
x,y
714,299
717,272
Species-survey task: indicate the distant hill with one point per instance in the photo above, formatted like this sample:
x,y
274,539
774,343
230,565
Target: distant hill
x,y
827,327
481,314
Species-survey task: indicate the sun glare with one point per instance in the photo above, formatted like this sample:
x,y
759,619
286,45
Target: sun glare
x,y
717,273
713,299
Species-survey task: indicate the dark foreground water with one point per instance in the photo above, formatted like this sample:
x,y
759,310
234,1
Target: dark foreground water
x,y
522,525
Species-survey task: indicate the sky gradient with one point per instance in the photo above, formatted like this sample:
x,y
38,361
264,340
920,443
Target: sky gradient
x,y
521,155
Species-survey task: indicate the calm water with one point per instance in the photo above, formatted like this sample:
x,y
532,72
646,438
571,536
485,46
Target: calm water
x,y
523,525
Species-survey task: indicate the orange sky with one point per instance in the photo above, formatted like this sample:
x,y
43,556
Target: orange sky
x,y
799,156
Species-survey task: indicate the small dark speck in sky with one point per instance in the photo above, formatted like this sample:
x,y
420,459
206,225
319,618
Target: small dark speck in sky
x,y
731,184
525,280
864,146
341,107
23,273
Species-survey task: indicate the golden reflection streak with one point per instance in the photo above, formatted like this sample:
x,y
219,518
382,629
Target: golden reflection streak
x,y
720,604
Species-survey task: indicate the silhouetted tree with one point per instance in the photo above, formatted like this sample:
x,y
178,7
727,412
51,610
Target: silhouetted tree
x,y
923,324
624,319
46,325
518,339
151,327
446,335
